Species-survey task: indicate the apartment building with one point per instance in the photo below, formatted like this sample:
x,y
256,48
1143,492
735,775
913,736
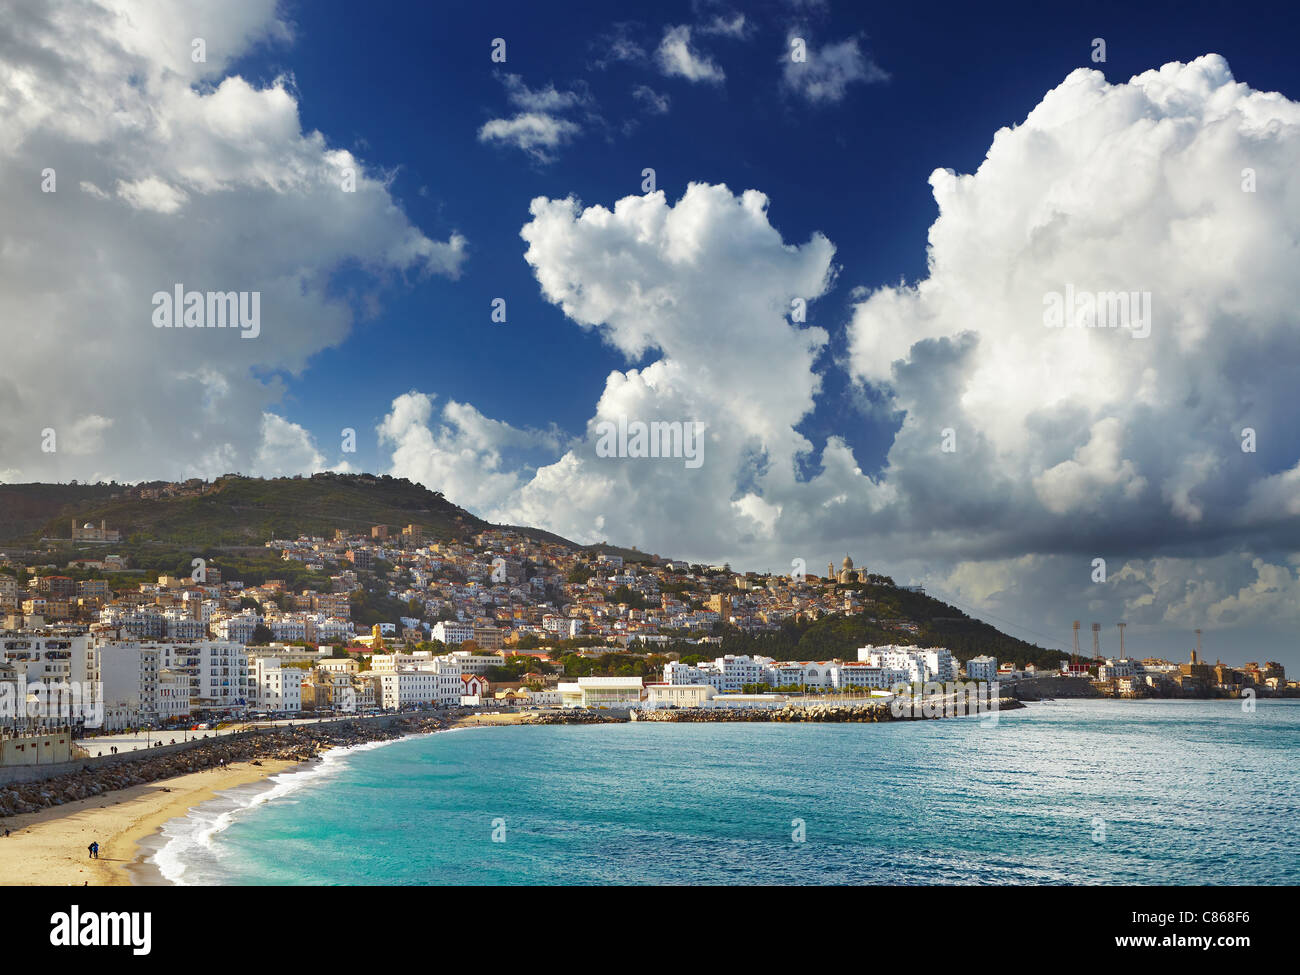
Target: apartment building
x,y
452,632
920,664
273,687
407,687
53,678
217,671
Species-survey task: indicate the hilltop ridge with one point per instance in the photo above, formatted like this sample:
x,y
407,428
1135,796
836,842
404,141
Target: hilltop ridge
x,y
162,523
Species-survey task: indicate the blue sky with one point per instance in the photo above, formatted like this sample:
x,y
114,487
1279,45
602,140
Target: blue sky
x,y
407,87
925,180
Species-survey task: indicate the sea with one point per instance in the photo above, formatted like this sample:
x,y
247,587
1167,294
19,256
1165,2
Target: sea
x,y
1060,792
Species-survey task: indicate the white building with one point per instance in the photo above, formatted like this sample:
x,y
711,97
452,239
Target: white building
x,y
55,678
602,692
920,664
678,695
562,626
182,626
331,629
237,629
475,663
452,632
273,687
727,673
129,673
847,676
217,671
287,629
982,668
407,687
1114,669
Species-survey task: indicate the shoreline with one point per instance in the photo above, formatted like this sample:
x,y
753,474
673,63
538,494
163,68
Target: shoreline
x,y
48,847
124,805
144,870
148,839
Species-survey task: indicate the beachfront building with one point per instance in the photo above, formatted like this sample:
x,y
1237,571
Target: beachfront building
x,y
919,664
602,692
275,687
731,673
982,668
137,688
418,678
129,673
171,696
678,695
727,673
404,688
54,678
844,676
1117,669
217,671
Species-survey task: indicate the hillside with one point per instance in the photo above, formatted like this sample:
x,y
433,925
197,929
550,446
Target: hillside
x,y
240,511
25,508
941,625
231,519
244,511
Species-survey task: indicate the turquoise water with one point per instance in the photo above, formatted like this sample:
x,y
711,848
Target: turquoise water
x,y
1092,792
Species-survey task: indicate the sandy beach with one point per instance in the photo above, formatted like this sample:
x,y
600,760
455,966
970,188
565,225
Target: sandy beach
x,y
477,720
48,848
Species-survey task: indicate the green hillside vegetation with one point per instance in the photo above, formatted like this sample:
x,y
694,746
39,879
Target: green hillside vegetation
x,y
24,508
940,625
249,511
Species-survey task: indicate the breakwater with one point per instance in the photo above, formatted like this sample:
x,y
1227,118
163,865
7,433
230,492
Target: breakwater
x,y
575,716
833,713
297,744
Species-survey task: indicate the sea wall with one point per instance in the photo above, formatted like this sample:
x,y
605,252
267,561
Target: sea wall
x,y
863,713
29,788
1043,688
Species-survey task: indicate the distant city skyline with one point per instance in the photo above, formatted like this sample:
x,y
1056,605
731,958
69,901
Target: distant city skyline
x,y
750,286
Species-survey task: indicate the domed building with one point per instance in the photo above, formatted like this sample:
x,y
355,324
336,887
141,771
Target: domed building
x,y
847,573
89,533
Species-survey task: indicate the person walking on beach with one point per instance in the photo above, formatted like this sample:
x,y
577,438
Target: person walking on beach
x,y
94,850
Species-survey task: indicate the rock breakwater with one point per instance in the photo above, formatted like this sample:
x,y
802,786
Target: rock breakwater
x,y
830,713
296,744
